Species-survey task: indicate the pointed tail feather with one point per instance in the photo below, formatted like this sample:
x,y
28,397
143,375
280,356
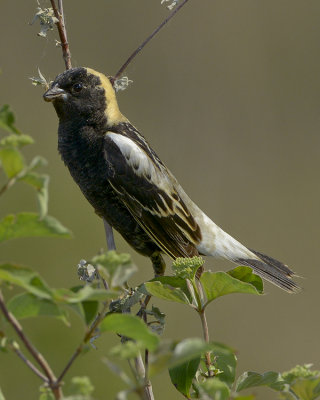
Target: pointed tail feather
x,y
272,270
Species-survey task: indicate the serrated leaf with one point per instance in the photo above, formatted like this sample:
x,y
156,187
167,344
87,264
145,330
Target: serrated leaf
x,y
252,379
131,327
216,389
27,305
217,284
182,375
12,161
166,292
26,224
7,120
25,278
85,294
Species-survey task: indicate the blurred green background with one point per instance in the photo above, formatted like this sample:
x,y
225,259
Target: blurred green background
x,y
228,96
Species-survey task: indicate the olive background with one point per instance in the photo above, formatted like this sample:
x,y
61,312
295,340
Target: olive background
x,y
228,96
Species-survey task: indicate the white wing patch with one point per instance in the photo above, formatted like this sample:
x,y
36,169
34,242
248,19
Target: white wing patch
x,y
136,158
144,167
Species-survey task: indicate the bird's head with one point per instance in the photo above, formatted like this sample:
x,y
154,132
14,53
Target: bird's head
x,y
83,93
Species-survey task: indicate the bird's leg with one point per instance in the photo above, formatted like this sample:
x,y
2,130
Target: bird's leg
x,y
159,266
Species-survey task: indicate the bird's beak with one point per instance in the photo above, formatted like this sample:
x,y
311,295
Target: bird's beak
x,y
54,93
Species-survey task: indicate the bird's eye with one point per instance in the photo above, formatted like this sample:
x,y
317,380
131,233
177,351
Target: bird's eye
x,y
77,87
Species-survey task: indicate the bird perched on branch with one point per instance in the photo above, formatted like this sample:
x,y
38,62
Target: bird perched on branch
x,y
128,185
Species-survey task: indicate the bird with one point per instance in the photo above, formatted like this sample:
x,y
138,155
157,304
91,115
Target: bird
x,y
129,186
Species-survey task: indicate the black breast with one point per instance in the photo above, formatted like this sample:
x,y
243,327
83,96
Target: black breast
x,y
82,152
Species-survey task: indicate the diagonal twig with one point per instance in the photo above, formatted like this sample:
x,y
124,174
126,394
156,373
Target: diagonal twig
x,y
146,41
28,363
55,387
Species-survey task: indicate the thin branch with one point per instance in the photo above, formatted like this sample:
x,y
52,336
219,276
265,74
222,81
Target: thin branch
x,y
8,185
146,41
28,363
53,384
85,340
201,311
206,338
58,12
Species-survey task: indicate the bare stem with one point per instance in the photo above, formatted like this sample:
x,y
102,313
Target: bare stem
x,y
52,382
147,40
58,12
85,340
29,363
205,330
8,185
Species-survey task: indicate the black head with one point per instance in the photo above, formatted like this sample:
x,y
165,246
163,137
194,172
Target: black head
x,y
86,95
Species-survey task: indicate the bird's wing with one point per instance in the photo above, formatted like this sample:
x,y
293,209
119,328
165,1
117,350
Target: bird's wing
x,y
148,190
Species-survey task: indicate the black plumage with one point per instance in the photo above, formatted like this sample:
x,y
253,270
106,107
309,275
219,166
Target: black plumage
x,y
129,186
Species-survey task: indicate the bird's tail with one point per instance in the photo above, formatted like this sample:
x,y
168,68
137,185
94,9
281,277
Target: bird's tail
x,y
218,243
272,270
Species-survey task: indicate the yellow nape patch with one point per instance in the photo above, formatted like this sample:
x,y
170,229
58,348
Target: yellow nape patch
x,y
112,111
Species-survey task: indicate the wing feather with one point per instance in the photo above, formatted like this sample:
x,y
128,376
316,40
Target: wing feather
x,y
147,189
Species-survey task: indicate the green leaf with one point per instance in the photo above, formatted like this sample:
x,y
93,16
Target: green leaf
x,y
186,268
300,371
250,397
25,278
304,382
118,267
189,349
245,274
81,385
90,310
7,120
182,375
166,292
216,389
30,225
131,327
225,361
27,305
127,350
12,161
87,293
40,182
216,284
46,393
16,140
252,379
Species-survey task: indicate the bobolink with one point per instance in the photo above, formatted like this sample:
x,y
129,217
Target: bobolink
x,y
128,185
